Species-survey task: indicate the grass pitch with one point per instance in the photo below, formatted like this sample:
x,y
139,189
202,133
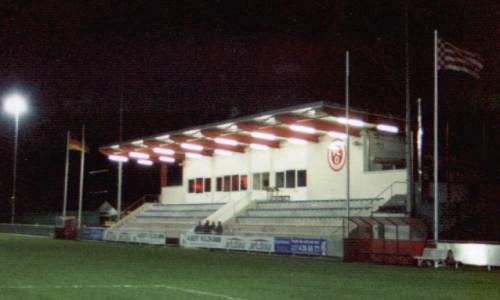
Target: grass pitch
x,y
40,268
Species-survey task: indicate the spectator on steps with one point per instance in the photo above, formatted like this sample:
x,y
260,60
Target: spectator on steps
x,y
211,229
218,229
199,228
206,227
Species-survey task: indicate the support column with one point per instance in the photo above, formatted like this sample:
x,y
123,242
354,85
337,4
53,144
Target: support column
x,y
119,190
163,178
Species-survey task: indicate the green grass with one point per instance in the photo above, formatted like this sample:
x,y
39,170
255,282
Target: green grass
x,y
39,268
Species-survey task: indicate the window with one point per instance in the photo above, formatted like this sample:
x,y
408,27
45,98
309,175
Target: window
x,y
301,178
290,178
208,185
383,152
256,181
243,182
199,185
219,184
265,180
191,186
235,184
280,179
227,183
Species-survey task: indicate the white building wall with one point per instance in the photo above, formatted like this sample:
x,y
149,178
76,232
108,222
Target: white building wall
x,y
322,181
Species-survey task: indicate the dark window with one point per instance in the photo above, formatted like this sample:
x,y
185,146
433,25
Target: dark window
x,y
208,184
199,185
265,180
174,175
219,184
301,178
235,184
243,182
290,178
191,186
256,181
280,179
227,183
385,152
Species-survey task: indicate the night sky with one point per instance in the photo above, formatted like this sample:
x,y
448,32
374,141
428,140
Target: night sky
x,y
176,64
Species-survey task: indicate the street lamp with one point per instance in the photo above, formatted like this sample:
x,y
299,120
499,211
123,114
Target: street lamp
x,y
16,105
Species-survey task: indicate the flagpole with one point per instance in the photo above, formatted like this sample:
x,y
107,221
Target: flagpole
x,y
436,141
82,173
410,203
420,135
66,175
348,171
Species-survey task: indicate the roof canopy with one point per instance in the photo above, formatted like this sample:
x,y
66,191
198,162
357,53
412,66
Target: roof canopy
x,y
297,124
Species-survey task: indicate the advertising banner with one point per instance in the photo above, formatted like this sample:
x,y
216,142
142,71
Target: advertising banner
x,y
229,242
300,246
93,233
142,237
191,240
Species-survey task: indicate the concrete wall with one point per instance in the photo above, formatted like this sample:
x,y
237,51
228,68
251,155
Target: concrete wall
x,y
322,181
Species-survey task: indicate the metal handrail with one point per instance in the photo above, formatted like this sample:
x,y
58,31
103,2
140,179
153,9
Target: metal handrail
x,y
390,187
137,203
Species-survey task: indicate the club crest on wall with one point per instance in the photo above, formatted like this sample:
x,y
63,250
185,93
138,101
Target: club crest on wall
x,y
336,155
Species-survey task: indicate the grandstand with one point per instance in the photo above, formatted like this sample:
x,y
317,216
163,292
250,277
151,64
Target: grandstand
x,y
307,218
172,219
277,173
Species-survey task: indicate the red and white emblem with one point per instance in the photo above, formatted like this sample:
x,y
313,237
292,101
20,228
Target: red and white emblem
x,y
336,155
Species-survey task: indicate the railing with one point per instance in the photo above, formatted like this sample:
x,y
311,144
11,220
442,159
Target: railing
x,y
148,198
28,229
390,190
131,215
230,209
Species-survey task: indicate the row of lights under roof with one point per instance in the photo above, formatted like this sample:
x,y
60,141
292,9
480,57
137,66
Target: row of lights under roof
x,y
143,158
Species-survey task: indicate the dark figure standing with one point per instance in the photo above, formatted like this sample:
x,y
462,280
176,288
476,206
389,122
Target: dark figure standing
x,y
218,229
211,228
206,227
199,228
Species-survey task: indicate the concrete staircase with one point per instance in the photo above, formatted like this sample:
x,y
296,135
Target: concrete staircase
x,y
172,219
312,218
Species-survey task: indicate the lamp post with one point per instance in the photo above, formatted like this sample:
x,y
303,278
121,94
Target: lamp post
x,y
16,105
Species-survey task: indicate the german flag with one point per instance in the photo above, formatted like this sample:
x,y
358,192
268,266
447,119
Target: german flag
x,y
75,145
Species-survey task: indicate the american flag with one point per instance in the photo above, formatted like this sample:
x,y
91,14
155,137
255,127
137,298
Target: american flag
x,y
456,59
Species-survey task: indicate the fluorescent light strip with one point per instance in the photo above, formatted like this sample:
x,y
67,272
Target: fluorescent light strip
x,y
190,132
163,151
262,117
228,142
138,142
226,125
223,152
166,159
302,110
193,155
163,137
118,158
297,141
335,134
263,135
145,162
352,122
259,147
303,129
311,113
138,155
387,128
115,147
193,147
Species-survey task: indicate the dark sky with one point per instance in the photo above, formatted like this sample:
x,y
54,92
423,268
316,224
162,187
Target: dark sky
x,y
182,63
